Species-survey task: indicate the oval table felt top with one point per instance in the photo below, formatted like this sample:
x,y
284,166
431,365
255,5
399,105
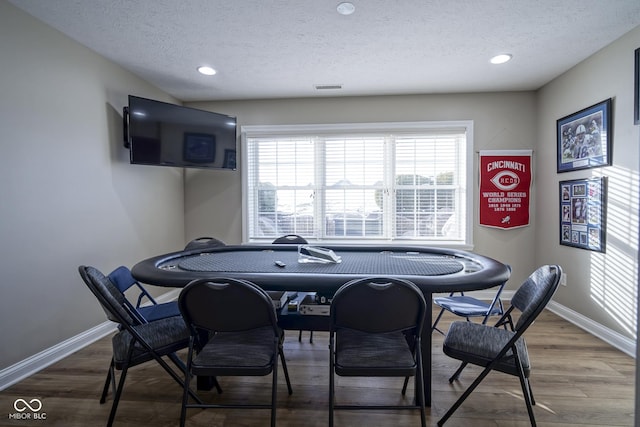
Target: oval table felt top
x,y
276,267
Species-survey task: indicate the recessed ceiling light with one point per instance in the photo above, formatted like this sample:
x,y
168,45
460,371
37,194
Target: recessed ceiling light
x,y
346,8
501,59
207,71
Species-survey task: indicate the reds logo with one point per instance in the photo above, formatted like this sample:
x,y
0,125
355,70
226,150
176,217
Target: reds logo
x,y
506,180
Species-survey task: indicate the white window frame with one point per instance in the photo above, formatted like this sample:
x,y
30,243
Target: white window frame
x,y
248,131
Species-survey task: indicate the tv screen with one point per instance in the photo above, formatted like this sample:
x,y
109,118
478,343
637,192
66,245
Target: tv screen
x,y
159,133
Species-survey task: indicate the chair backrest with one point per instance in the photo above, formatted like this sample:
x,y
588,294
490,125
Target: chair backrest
x,y
122,279
112,301
535,293
204,242
378,305
291,239
226,305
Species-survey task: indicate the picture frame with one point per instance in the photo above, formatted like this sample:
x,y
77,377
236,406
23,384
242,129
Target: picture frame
x,y
199,148
584,138
582,213
636,92
229,159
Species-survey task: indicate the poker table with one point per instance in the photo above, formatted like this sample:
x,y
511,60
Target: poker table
x,y
276,267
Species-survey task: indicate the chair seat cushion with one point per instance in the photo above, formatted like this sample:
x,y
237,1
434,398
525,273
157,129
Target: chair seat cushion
x,y
466,306
365,354
480,344
164,336
159,311
238,353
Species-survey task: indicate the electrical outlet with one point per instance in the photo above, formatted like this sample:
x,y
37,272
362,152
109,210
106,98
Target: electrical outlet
x,y
563,279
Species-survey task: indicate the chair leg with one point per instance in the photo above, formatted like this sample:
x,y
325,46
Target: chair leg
x,y
526,391
466,394
180,364
435,324
414,349
419,392
175,376
177,361
111,380
274,392
310,336
404,386
331,383
116,398
533,400
457,373
528,400
286,371
185,394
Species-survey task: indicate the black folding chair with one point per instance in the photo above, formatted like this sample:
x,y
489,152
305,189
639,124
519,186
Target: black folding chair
x,y
501,349
234,332
376,325
123,281
136,342
203,243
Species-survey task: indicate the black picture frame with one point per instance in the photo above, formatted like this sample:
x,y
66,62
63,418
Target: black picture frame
x,y
199,148
229,159
583,213
636,85
584,138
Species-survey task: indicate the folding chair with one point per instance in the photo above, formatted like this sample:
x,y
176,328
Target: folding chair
x,y
123,280
376,325
135,343
290,239
234,332
504,350
466,306
203,243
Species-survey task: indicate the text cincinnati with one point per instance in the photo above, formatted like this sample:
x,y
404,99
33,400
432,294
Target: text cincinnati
x,y
506,164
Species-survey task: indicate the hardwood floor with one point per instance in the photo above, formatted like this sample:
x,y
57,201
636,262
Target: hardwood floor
x,y
577,380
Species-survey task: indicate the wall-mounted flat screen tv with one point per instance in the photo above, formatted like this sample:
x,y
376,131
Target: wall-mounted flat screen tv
x,y
159,133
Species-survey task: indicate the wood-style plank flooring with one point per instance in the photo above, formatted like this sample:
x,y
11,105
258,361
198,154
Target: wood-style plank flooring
x,y
577,380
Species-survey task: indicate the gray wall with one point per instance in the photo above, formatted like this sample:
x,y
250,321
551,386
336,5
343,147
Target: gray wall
x,y
602,287
501,121
68,194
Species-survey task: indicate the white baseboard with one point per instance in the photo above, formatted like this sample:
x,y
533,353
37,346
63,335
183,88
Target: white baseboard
x,y
619,341
37,362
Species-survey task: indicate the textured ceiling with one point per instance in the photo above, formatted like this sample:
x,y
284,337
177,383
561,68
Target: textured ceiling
x,y
283,48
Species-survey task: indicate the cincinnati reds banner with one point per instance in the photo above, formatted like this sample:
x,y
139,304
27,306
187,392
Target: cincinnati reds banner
x,y
505,185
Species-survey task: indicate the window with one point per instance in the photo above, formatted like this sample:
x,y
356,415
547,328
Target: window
x,y
364,183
